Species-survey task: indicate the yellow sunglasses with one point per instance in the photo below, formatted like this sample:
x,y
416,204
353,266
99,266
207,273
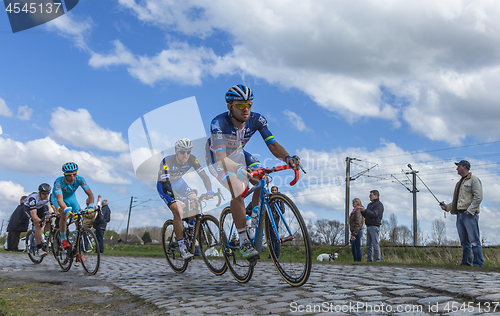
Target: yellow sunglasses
x,y
242,106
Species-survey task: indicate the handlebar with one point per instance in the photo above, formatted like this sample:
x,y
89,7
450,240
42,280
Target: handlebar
x,y
218,194
260,173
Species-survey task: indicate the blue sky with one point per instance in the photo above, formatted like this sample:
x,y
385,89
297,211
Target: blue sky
x,y
388,84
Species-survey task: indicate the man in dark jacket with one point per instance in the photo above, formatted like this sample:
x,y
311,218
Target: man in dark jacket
x,y
373,218
18,223
100,223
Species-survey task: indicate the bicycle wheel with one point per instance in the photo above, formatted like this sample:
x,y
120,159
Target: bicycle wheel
x,y
240,268
291,249
171,248
210,245
63,257
89,254
32,249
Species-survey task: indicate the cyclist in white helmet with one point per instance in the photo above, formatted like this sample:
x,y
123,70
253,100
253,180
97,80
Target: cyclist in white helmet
x,y
172,188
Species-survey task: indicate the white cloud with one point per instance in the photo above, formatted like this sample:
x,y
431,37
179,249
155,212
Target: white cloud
x,y
84,132
4,109
70,27
24,112
1,131
421,62
180,63
11,192
45,157
296,121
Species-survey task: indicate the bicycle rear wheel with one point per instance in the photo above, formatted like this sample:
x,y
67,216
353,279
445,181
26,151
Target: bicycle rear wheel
x,y
32,249
291,249
210,245
240,268
63,257
89,254
171,248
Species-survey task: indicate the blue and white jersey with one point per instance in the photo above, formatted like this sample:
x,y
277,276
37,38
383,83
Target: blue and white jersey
x,y
170,169
68,189
224,136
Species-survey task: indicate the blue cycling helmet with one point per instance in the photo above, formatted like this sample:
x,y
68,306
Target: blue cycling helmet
x,y
239,93
70,167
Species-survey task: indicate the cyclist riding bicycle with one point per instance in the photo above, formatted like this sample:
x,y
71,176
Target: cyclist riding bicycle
x,y
172,188
35,205
63,197
228,162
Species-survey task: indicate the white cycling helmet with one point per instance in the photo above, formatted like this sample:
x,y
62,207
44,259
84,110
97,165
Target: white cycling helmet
x,y
183,144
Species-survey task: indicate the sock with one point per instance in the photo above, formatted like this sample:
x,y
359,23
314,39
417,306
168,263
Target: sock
x,y
181,244
63,236
242,233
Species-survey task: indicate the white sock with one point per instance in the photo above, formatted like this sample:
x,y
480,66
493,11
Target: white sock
x,y
242,233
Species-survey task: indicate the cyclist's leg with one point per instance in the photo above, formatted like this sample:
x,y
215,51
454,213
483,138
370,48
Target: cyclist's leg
x,y
176,207
253,163
36,224
70,201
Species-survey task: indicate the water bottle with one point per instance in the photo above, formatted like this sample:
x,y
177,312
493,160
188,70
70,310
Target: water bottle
x,y
191,228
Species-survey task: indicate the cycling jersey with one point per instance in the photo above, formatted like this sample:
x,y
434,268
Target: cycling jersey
x,y
224,136
34,201
170,183
68,192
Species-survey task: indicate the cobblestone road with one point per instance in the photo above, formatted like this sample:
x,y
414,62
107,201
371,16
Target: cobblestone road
x,y
332,289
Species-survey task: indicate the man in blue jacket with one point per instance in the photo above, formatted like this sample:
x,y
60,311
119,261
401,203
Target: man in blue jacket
x,y
100,223
373,218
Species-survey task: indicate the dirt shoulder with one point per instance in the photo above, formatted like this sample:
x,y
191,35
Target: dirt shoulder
x,y
52,292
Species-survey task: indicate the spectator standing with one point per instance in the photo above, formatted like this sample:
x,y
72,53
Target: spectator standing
x,y
373,218
101,222
356,223
18,223
467,197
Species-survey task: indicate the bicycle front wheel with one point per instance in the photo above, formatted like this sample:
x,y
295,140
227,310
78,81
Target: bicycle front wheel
x,y
289,245
240,268
89,254
210,245
171,248
63,257
32,249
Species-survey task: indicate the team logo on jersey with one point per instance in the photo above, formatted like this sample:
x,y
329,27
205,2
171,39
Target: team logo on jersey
x,y
165,167
196,161
263,121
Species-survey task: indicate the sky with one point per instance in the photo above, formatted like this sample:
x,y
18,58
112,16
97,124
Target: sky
x,y
386,82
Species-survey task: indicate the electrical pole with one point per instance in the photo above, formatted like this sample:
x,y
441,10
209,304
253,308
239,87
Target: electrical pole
x,y
128,222
1,229
347,197
414,192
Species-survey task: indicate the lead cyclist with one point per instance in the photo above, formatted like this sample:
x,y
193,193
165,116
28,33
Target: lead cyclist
x,y
228,162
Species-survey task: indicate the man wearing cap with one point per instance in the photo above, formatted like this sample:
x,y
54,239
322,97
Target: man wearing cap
x,y
467,196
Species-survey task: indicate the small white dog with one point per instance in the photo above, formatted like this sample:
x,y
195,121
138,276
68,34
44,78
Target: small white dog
x,y
326,256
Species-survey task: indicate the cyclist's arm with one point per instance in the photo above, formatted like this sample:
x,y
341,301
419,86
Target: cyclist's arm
x,y
206,180
60,201
34,216
278,151
91,196
225,162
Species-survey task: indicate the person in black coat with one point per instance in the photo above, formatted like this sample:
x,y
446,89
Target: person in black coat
x,y
373,219
18,223
100,223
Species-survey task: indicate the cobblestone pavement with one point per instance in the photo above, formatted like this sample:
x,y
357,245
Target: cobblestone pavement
x,y
332,289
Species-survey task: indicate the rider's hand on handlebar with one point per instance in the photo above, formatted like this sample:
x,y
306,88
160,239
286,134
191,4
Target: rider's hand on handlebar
x,y
210,194
241,173
293,161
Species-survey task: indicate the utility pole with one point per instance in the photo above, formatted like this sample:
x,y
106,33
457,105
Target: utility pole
x,y
348,180
347,197
1,228
128,222
414,192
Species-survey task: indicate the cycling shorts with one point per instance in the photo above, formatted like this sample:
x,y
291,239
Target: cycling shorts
x,y
241,157
180,188
70,201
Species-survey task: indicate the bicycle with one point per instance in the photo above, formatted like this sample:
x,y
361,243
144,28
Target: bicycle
x,y
205,232
84,247
31,245
286,234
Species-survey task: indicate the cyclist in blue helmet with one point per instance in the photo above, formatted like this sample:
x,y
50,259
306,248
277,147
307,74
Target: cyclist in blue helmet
x,y
228,161
63,196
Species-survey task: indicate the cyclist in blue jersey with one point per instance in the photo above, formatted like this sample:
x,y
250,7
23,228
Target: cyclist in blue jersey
x,y
172,188
228,162
63,197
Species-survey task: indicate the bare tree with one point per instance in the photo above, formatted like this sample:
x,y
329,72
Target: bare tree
x,y
405,235
330,231
393,229
439,231
384,230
